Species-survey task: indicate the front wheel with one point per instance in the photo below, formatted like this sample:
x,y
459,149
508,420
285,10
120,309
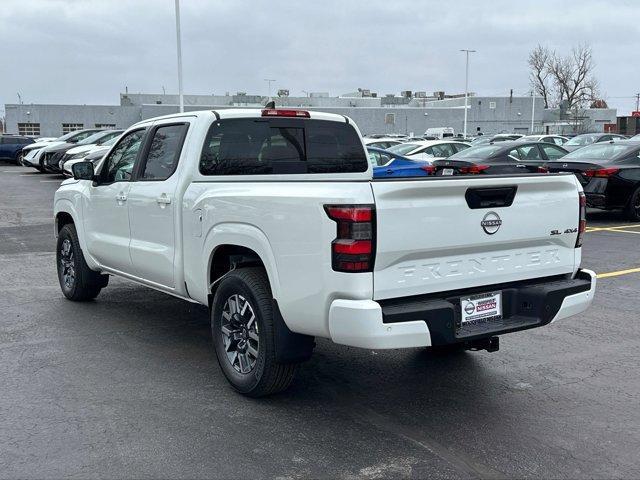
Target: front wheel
x,y
77,281
19,157
633,209
244,334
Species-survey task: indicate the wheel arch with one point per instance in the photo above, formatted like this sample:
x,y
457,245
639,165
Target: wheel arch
x,y
240,243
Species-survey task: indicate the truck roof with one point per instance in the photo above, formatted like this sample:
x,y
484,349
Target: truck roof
x,y
245,113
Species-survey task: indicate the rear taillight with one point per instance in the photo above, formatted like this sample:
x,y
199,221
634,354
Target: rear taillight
x,y
582,219
276,112
473,169
601,172
354,246
430,169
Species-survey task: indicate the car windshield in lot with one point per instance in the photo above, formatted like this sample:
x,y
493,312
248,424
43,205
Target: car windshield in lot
x,y
602,152
482,151
582,140
404,148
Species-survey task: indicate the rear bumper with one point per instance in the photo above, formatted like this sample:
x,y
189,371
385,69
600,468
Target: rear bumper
x,y
430,320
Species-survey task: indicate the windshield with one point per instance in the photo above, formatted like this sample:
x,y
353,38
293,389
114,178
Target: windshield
x,y
602,152
91,139
483,151
404,148
67,136
581,140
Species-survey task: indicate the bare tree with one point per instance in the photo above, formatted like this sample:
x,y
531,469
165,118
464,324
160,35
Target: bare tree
x,y
573,76
540,74
558,78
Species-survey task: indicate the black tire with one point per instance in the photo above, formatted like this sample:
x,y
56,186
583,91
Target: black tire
x,y
264,375
19,156
633,209
77,281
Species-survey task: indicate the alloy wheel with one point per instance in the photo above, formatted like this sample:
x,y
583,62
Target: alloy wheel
x,y
240,335
67,264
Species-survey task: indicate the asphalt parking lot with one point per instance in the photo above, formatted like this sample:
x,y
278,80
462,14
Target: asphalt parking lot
x,y
128,385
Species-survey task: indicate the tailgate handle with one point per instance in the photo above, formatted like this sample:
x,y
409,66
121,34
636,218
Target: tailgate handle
x,y
493,197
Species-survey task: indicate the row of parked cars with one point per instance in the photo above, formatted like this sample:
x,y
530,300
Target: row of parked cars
x,y
57,155
607,165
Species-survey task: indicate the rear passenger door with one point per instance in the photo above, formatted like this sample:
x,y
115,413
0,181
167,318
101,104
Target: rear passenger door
x,y
152,204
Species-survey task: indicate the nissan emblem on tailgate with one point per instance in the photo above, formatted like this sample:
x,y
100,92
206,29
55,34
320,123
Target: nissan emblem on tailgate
x,y
491,223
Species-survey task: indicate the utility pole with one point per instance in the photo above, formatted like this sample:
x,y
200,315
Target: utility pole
x,y
179,47
269,81
466,88
637,102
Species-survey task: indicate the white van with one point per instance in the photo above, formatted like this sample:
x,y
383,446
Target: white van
x,y
440,132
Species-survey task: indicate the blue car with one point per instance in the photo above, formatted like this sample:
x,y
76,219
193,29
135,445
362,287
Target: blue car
x,y
389,165
11,146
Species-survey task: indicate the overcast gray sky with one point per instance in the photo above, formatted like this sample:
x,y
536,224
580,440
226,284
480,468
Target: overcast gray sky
x,y
86,51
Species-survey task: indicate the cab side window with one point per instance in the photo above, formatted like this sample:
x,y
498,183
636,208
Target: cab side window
x,y
443,150
529,152
118,166
164,152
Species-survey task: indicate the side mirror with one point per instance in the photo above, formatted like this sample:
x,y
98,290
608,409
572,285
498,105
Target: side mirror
x,y
83,171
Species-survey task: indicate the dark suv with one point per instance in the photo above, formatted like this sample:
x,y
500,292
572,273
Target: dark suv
x,y
11,146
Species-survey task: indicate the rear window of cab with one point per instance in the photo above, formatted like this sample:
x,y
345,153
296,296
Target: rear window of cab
x,y
273,146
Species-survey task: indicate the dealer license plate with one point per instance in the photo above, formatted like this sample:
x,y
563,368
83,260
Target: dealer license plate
x,y
481,308
447,171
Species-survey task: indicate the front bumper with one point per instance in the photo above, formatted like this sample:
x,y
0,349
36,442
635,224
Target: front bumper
x,y
428,320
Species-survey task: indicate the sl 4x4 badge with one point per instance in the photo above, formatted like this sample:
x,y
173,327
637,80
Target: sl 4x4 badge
x,y
568,230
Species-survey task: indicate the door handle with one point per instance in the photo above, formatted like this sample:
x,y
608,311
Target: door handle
x,y
389,172
163,200
121,198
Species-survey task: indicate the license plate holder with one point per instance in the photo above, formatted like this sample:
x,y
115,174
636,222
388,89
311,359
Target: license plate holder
x,y
481,308
447,171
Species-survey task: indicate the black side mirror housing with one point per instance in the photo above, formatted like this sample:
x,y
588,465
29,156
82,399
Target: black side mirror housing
x,y
83,171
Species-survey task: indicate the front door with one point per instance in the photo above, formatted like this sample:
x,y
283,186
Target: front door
x,y
105,213
152,205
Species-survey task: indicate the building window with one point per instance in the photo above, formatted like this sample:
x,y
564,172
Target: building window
x,y
389,118
71,127
29,128
492,105
106,125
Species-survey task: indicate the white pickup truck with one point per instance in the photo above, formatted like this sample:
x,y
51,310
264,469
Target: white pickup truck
x,y
272,219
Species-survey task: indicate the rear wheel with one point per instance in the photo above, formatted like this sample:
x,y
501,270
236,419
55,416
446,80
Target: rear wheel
x,y
633,209
19,157
77,281
244,335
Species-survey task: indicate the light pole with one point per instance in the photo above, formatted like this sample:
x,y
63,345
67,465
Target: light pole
x,y
269,81
466,88
179,47
533,109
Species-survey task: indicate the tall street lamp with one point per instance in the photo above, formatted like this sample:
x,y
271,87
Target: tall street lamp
x,y
466,88
179,48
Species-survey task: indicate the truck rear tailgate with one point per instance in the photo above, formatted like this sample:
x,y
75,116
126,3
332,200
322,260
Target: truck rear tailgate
x,y
435,235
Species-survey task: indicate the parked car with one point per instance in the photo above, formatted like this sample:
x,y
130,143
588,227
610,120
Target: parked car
x,y
555,139
428,149
585,139
382,142
94,156
390,165
50,157
500,158
609,174
33,153
272,220
83,147
11,146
